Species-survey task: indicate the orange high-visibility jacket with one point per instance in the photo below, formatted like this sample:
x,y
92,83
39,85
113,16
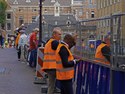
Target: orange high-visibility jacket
x,y
99,56
61,72
17,39
49,61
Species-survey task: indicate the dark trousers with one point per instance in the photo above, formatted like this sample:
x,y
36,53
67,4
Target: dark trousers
x,y
33,58
66,86
19,52
1,42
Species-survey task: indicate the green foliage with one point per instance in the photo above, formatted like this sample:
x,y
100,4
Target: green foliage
x,y
3,6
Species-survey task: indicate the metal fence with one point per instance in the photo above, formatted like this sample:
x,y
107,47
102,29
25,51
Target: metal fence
x,y
91,77
90,34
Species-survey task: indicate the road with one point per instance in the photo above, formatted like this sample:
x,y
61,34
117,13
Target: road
x,y
16,77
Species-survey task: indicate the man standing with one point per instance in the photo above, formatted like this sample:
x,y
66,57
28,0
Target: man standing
x,y
33,47
49,62
16,44
21,43
102,54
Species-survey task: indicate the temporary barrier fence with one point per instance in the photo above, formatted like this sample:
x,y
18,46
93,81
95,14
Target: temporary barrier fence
x,y
93,78
40,75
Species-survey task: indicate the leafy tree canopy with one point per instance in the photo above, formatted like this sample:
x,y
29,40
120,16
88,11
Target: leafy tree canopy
x,y
3,6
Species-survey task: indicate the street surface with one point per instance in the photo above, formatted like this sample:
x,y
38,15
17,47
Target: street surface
x,y
16,77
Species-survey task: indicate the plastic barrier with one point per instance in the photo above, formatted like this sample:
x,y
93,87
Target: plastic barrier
x,y
39,73
91,79
118,82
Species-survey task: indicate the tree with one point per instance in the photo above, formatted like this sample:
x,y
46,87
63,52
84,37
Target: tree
x,y
3,7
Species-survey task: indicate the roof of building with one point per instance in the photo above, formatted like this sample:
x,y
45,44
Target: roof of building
x,y
52,20
61,2
60,20
23,2
36,2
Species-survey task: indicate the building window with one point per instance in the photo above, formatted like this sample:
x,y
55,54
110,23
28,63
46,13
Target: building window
x,y
28,1
87,15
57,9
8,26
108,22
15,2
90,1
20,9
21,20
56,22
68,23
101,4
104,2
33,19
92,14
45,10
80,12
115,21
52,0
34,9
8,16
107,2
110,2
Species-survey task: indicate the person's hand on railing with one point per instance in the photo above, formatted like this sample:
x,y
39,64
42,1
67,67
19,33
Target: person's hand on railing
x,y
76,61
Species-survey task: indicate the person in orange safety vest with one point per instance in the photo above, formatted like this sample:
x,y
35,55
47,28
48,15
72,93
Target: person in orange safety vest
x,y
65,64
49,61
102,54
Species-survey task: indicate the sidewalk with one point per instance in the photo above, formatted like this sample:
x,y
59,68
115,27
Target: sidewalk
x,y
16,77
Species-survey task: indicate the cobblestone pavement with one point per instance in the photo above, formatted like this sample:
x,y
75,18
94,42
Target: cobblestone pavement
x,y
16,77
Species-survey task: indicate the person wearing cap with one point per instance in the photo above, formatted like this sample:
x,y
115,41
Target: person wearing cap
x,y
102,54
33,44
65,64
22,41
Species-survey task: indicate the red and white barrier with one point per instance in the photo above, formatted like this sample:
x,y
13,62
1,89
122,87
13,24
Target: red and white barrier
x,y
40,74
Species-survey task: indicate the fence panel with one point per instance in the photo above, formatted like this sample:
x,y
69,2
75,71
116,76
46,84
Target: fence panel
x,y
91,78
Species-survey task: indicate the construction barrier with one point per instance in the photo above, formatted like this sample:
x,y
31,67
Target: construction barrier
x,y
118,82
91,78
40,75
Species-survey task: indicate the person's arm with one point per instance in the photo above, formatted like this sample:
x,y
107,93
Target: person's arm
x,y
64,54
106,52
55,44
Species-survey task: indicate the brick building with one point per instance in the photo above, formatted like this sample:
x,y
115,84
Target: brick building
x,y
106,8
25,11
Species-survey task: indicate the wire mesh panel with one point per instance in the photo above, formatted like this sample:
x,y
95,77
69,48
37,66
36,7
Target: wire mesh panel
x,y
91,33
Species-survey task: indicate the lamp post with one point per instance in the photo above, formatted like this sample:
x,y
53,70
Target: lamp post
x,y
40,23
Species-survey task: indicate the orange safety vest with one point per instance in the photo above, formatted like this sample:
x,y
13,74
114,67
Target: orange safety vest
x,y
17,39
99,56
49,61
61,72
